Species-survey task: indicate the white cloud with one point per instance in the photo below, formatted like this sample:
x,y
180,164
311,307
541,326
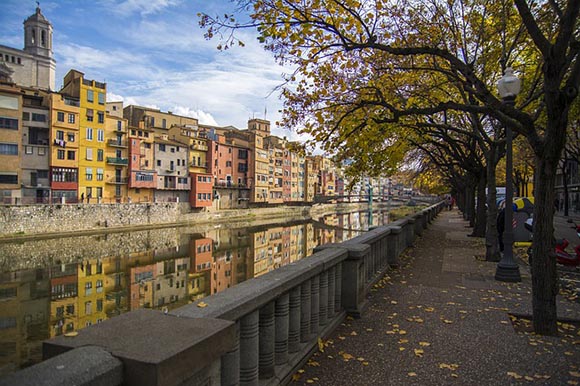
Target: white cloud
x,y
142,7
202,116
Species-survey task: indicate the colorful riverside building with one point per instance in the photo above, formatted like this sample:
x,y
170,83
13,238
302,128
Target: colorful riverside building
x,y
117,154
92,146
63,138
10,143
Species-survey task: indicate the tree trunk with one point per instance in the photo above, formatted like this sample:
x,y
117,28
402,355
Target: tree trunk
x,y
491,234
544,273
565,181
481,210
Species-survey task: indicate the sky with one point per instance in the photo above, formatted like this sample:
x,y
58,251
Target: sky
x,y
153,53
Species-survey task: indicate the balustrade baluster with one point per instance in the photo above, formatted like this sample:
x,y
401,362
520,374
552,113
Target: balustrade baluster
x,y
249,349
267,338
294,323
314,305
323,299
305,311
281,325
338,288
331,288
230,371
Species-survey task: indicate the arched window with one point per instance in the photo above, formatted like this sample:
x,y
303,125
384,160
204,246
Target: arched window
x,y
43,38
32,35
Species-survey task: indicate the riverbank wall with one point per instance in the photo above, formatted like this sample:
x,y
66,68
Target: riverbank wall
x,y
28,221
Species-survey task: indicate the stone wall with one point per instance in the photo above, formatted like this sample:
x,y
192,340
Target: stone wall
x,y
70,217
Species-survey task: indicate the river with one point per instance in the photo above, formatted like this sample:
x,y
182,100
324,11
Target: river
x,y
57,286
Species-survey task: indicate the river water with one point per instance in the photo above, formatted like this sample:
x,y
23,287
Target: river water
x,y
58,286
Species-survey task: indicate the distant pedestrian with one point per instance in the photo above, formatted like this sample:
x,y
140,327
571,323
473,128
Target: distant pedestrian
x,y
82,197
88,198
448,202
452,202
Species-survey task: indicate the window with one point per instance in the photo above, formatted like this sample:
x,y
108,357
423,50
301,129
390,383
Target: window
x,y
88,308
8,178
42,173
100,154
99,286
8,102
38,117
99,192
158,162
99,174
164,123
89,174
229,164
8,123
89,153
100,135
27,149
60,154
9,149
71,118
88,288
161,147
25,116
119,125
90,96
64,174
172,149
60,135
101,117
99,302
101,97
89,132
90,115
70,137
70,155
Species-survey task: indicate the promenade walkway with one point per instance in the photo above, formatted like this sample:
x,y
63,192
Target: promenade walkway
x,y
442,319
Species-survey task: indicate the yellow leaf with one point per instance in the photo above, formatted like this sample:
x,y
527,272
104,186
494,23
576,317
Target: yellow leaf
x,y
365,363
296,377
301,371
309,381
573,383
568,353
447,321
360,359
575,374
403,340
424,344
402,332
454,375
202,304
401,349
71,334
412,374
514,375
313,363
528,378
394,302
429,309
418,352
353,333
320,345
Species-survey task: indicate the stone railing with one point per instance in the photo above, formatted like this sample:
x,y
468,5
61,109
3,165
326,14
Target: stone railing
x,y
258,333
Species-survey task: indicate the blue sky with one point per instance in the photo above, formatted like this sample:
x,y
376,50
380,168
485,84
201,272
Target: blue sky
x,y
153,53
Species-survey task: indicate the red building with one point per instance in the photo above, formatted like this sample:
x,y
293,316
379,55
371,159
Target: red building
x,y
201,195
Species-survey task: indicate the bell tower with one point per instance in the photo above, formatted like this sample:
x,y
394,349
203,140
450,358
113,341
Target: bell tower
x,y
38,34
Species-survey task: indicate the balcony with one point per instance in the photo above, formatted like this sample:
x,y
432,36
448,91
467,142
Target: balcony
x,y
118,180
199,147
118,161
229,184
117,143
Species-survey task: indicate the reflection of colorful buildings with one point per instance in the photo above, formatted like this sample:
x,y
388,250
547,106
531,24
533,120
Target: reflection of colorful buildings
x,y
39,304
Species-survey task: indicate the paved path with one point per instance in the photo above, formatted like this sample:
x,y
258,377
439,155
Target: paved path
x,y
442,319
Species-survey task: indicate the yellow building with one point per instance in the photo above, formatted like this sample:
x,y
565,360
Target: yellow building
x,y
91,293
92,146
10,143
64,148
116,154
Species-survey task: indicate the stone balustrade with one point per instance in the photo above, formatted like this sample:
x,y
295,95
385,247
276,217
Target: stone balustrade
x,y
257,333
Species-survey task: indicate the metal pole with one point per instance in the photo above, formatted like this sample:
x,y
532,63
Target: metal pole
x,y
507,269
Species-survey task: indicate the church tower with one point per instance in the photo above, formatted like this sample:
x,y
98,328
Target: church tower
x,y
38,35
34,66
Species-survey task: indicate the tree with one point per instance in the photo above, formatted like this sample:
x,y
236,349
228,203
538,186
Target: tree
x,y
399,60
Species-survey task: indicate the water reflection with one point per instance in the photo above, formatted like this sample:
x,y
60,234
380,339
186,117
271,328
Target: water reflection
x,y
54,287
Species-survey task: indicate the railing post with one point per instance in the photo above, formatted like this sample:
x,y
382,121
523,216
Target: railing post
x,y
338,288
305,311
267,338
331,291
322,318
314,305
410,231
294,323
282,329
230,371
393,246
249,349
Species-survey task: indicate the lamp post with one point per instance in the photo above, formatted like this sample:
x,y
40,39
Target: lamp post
x,y
507,269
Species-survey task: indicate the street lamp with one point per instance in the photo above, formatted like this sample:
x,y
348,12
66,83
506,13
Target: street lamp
x,y
507,269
